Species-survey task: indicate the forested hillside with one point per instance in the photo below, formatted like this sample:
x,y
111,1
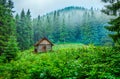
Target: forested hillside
x,y
73,24
82,47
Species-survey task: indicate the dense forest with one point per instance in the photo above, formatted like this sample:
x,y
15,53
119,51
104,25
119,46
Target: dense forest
x,y
86,43
71,24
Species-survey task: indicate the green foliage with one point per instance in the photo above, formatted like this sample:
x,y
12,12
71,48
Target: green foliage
x,y
8,45
37,25
24,30
73,61
115,27
83,26
113,9
11,49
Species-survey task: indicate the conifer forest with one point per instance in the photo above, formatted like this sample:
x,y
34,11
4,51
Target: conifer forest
x,y
83,43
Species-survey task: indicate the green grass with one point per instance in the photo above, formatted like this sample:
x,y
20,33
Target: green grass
x,y
67,46
66,61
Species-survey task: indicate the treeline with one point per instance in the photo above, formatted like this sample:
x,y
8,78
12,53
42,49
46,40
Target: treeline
x,y
71,24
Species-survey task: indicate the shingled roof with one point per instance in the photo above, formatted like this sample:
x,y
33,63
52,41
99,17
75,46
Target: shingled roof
x,y
42,40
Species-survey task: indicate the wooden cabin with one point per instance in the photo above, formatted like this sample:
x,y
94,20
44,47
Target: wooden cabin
x,y
43,45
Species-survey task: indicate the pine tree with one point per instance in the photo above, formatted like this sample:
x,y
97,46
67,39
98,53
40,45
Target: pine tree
x,y
30,28
115,27
37,25
86,30
113,9
7,30
48,27
63,32
20,30
56,26
24,30
2,29
11,48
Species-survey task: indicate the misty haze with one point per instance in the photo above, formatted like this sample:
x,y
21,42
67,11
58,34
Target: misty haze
x,y
59,39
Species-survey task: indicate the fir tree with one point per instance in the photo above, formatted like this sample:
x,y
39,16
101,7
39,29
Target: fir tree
x,y
30,28
37,29
63,32
7,30
113,9
56,26
24,30
20,31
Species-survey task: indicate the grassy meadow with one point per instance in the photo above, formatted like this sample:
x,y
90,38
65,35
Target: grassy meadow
x,y
65,61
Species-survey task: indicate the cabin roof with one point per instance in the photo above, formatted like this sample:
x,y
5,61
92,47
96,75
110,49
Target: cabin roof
x,y
42,40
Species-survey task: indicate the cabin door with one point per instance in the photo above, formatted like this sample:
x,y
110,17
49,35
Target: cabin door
x,y
44,48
